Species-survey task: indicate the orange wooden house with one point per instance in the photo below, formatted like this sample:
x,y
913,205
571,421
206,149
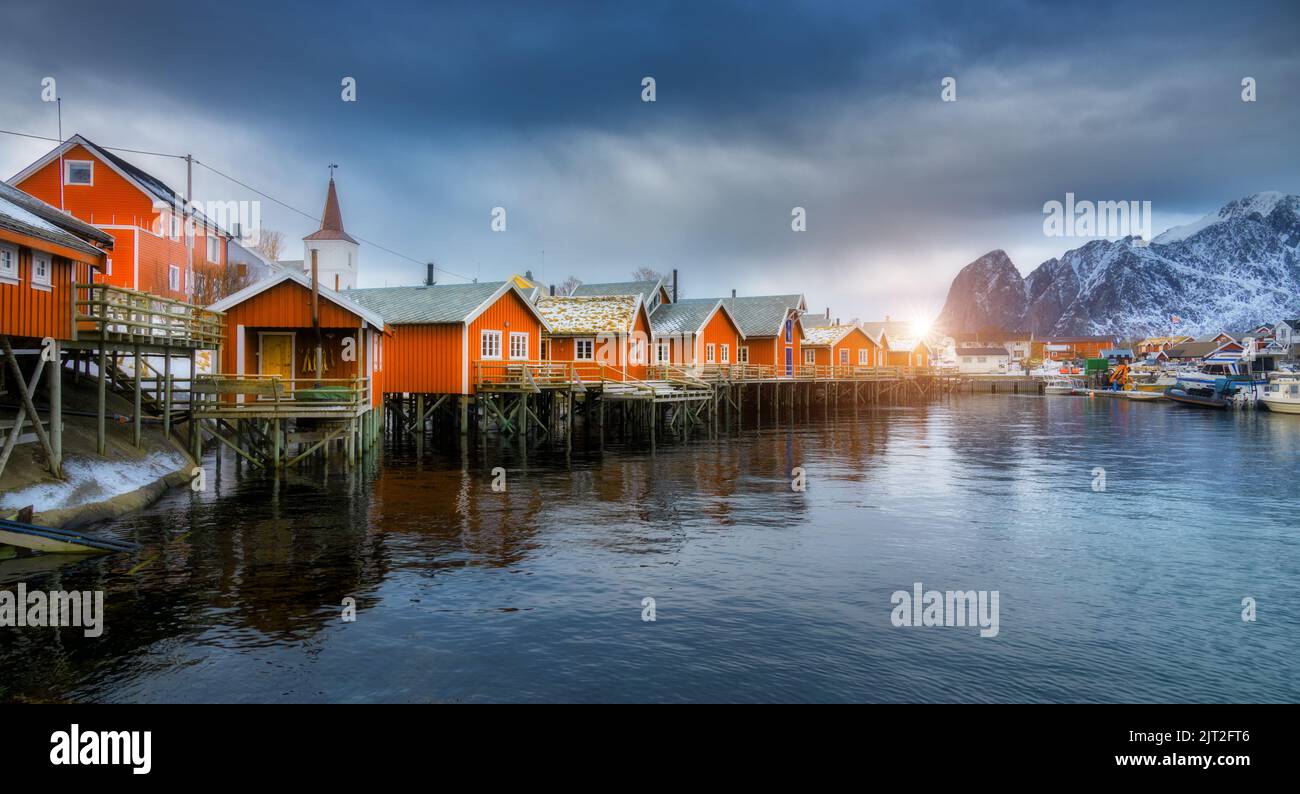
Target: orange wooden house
x,y
907,352
841,346
269,333
43,253
447,338
696,331
151,249
602,337
772,329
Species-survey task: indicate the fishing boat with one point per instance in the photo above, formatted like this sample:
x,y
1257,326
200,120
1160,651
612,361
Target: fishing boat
x,y
1061,386
1282,395
1142,396
58,541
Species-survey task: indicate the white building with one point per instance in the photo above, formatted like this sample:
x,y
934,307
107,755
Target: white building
x,y
982,360
336,251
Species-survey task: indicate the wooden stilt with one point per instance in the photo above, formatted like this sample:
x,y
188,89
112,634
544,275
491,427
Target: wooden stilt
x,y
56,409
167,395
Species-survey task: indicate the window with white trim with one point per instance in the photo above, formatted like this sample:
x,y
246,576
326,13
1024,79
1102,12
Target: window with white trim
x,y
214,249
726,354
78,172
490,344
709,353
742,355
789,331
844,356
42,270
174,278
663,352
518,345
810,356
545,346
9,264
108,266
862,356
584,349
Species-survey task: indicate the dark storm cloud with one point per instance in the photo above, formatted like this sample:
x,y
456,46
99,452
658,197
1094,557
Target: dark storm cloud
x,y
833,107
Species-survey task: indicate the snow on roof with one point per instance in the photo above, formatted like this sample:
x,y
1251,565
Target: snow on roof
x,y
28,215
589,315
826,335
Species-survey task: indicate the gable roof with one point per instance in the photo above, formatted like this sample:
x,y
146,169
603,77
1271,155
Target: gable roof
x,y
231,301
26,214
830,335
688,316
145,182
1193,350
331,219
891,328
763,315
618,288
590,314
983,351
436,303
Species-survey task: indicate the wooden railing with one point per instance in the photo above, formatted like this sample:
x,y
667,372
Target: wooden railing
x,y
129,316
216,395
524,375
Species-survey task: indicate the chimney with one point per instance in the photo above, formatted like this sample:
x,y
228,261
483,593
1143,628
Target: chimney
x,y
828,313
886,318
733,294
674,285
837,320
528,274
429,278
552,290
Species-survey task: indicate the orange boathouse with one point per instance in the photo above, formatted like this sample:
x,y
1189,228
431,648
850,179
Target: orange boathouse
x,y
697,332
603,338
841,349
773,332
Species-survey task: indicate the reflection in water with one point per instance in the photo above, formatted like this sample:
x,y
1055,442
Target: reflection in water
x,y
762,593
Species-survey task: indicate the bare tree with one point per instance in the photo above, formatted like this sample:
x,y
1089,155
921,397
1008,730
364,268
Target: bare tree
x,y
270,244
644,273
569,285
213,282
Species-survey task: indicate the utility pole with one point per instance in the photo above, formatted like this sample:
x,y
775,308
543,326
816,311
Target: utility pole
x,y
189,236
58,101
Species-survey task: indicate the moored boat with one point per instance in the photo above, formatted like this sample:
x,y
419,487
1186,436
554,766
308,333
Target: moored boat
x,y
1282,395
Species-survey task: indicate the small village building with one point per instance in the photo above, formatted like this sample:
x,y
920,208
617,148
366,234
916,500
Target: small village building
x,y
912,353
152,251
1118,355
772,326
1074,348
602,337
983,360
844,348
1153,344
450,338
653,293
270,335
699,332
1287,332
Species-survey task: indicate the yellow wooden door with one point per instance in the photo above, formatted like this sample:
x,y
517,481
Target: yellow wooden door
x,y
277,356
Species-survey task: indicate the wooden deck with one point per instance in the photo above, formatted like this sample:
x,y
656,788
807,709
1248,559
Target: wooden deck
x,y
124,318
233,397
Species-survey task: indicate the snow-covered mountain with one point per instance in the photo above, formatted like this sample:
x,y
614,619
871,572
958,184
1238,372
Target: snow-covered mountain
x,y
1230,270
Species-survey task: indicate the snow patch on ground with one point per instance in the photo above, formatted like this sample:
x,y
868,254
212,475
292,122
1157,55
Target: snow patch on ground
x,y
90,480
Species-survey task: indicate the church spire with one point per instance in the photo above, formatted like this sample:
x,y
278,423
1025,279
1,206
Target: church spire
x,y
331,221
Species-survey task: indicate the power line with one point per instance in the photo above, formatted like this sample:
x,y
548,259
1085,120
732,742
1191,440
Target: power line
x,y
249,187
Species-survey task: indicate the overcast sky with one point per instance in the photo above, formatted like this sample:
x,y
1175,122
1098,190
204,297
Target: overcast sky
x,y
537,108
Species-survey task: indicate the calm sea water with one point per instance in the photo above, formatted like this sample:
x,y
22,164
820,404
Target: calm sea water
x,y
761,594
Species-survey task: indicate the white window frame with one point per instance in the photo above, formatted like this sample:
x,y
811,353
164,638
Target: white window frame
x,y
809,356
38,281
724,354
9,274
67,172
514,337
862,357
710,353
844,356
489,345
742,354
174,278
214,249
663,351
589,344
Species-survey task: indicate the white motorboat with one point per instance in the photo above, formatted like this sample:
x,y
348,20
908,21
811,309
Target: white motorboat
x,y
1060,385
1282,395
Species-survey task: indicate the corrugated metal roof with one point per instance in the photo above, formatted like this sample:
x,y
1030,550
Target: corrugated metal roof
x,y
26,214
589,314
682,317
762,315
438,303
